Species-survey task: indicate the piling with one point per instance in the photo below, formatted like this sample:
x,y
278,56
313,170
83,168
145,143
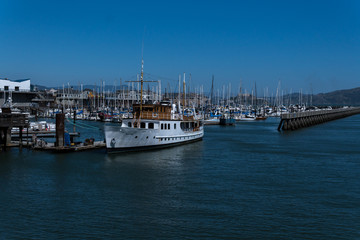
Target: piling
x,y
9,120
74,120
293,121
60,129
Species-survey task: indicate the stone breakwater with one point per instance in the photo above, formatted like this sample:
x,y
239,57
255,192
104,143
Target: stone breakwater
x,y
293,121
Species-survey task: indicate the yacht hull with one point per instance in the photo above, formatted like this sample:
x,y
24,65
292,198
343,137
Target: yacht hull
x,y
123,138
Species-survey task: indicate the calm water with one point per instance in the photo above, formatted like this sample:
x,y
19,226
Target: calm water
x,y
243,182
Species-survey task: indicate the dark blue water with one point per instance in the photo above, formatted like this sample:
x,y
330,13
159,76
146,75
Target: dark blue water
x,y
242,182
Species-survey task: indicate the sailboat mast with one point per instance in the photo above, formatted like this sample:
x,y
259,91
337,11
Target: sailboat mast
x,y
179,99
142,83
212,90
184,92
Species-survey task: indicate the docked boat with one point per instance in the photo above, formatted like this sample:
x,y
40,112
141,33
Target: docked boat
x,y
153,126
212,121
246,118
227,120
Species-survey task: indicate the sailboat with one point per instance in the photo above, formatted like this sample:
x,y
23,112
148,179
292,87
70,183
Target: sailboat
x,y
155,125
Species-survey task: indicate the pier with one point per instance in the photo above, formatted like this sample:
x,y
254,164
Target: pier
x,y
9,120
293,121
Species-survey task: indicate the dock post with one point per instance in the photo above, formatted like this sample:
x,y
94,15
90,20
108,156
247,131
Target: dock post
x,y
20,141
2,138
8,137
5,136
74,120
285,125
60,129
27,137
280,125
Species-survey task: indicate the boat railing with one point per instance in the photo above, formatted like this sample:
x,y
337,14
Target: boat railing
x,y
156,116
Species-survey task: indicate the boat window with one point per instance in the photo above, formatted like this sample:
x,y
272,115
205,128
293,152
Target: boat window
x,y
151,125
174,125
169,126
135,124
162,126
129,124
142,125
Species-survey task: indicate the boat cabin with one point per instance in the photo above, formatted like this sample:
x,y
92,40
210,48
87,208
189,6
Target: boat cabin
x,y
152,111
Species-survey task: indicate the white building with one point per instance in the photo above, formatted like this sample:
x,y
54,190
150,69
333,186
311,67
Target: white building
x,y
22,85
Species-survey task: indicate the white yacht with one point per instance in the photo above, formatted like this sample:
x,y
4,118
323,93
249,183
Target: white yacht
x,y
153,126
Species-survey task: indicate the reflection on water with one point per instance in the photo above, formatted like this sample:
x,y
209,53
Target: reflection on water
x,y
171,157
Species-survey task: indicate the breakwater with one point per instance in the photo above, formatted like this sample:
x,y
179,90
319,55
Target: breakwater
x,y
293,121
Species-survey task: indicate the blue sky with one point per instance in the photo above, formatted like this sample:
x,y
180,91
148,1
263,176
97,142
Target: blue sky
x,y
307,45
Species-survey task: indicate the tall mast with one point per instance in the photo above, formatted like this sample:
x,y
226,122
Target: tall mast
x,y
115,95
184,92
141,82
212,90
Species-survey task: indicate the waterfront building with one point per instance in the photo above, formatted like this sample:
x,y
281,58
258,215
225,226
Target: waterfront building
x,y
21,85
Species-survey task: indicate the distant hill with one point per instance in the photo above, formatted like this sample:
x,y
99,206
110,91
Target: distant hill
x,y
339,97
348,97
34,87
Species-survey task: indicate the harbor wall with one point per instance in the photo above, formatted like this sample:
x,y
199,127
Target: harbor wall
x,y
293,121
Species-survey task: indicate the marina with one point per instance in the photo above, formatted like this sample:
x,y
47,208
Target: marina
x,y
179,120
151,126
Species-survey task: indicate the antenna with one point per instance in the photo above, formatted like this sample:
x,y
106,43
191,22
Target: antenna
x,y
142,46
142,77
184,93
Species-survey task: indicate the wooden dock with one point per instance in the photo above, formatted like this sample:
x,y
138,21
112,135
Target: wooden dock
x,y
9,138
293,121
39,134
8,121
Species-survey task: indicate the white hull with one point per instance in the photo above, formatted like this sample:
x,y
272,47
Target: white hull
x,y
163,133
213,121
246,119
